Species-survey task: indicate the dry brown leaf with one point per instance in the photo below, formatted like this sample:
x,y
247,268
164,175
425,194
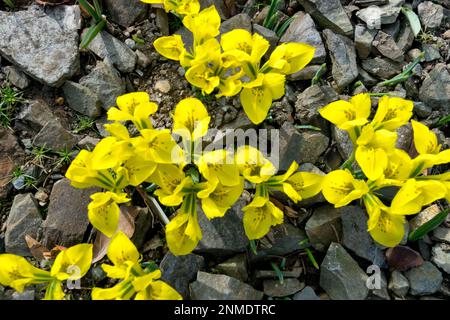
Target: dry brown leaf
x,y
51,255
36,248
126,225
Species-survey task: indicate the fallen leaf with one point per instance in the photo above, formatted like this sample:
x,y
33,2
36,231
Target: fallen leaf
x,y
51,255
403,258
126,225
36,248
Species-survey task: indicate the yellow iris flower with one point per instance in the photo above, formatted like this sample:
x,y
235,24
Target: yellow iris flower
x,y
70,264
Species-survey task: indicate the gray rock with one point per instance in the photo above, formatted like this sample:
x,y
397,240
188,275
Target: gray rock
x,y
341,277
27,294
143,60
34,116
421,109
425,279
357,239
298,146
404,137
179,271
82,99
385,44
67,219
267,34
423,217
382,292
431,52
431,15
306,294
239,21
281,240
113,51
343,57
303,29
325,227
235,267
16,77
441,256
343,142
88,142
24,219
375,16
104,81
306,73
221,287
392,29
405,37
366,78
11,156
162,21
224,236
310,101
398,284
329,14
125,12
435,89
381,67
363,40
55,137
442,234
49,57
274,288
367,3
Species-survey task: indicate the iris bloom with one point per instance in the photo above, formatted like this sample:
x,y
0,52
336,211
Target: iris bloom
x,y
104,212
70,264
340,188
142,284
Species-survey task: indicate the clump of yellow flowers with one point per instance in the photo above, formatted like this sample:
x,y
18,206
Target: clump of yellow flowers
x,y
234,64
383,165
184,173
73,263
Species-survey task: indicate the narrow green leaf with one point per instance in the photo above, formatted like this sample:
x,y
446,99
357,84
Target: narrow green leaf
x,y
311,258
90,9
413,20
272,9
253,247
307,126
282,29
428,226
9,3
98,7
315,80
278,272
92,33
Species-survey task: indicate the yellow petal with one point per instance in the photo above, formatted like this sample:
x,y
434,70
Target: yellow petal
x,y
256,103
373,161
72,263
191,115
392,113
258,219
122,249
306,184
103,213
170,47
122,291
54,291
295,55
425,140
340,188
219,164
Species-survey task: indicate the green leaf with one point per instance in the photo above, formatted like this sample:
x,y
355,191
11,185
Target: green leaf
x,y
307,127
413,19
278,272
428,226
272,9
90,9
9,3
311,258
92,33
282,29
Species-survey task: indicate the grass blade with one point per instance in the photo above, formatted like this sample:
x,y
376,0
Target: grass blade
x,y
311,258
282,29
278,272
272,9
92,33
98,8
428,226
9,3
91,10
